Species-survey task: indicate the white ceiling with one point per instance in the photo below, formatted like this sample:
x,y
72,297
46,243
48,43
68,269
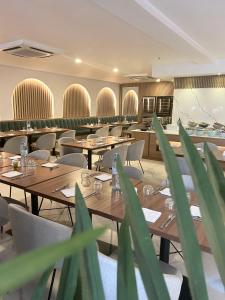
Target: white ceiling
x,y
133,35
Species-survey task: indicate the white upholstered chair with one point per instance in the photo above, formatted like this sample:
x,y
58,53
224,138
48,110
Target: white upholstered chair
x,y
135,152
13,144
63,150
40,154
103,132
116,131
68,133
73,159
45,142
133,172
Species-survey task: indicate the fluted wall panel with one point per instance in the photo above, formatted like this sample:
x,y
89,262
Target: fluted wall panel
x,y
130,103
212,81
106,103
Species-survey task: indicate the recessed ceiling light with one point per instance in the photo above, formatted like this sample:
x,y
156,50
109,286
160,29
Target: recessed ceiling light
x,y
78,61
158,80
115,70
218,74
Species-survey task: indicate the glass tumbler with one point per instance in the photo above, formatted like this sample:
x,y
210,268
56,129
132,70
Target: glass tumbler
x,y
148,190
97,186
85,179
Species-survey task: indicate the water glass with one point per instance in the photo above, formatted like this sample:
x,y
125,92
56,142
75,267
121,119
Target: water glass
x,y
98,186
169,205
15,164
148,190
85,179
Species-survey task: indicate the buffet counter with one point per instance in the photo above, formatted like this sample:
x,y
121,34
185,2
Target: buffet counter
x,y
152,151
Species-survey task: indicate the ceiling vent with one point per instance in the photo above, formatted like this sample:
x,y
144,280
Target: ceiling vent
x,y
28,49
140,77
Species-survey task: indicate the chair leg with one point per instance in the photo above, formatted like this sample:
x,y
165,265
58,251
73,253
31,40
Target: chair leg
x,y
51,285
42,199
141,167
25,198
10,191
71,219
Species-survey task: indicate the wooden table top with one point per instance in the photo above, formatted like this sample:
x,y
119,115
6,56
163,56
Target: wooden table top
x,y
110,205
5,160
92,145
12,133
97,126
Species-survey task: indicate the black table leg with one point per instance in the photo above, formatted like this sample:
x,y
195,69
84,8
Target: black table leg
x,y
89,159
34,204
164,250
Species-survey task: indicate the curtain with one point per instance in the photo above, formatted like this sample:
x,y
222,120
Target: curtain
x,y
76,102
106,101
130,103
32,99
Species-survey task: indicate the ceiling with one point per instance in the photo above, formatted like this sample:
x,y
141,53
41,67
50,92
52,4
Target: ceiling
x,y
132,35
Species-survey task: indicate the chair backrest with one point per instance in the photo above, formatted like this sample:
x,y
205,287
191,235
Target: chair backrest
x,y
68,133
134,126
40,154
116,131
104,131
135,151
93,136
187,180
31,232
183,166
67,150
73,159
46,141
133,172
108,156
13,144
3,212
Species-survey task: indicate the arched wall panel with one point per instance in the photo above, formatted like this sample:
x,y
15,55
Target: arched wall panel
x,y
32,99
76,102
130,103
106,103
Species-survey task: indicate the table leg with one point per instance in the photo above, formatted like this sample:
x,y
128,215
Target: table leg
x,y
164,250
89,159
34,204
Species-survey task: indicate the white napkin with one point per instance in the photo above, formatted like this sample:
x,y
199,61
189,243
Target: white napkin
x,y
195,211
223,153
12,174
70,192
151,215
50,165
104,177
165,192
15,157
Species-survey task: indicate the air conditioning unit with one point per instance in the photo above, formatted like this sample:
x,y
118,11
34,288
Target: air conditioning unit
x,y
28,49
140,77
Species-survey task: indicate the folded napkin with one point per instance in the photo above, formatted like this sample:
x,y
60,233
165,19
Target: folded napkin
x,y
49,165
12,174
165,192
151,215
104,177
15,157
70,192
195,211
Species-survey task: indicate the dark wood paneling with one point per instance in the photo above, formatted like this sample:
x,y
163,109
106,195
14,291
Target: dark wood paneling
x,y
213,81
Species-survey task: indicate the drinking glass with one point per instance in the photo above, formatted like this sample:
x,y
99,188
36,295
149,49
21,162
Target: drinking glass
x,y
148,190
85,179
15,164
169,205
97,186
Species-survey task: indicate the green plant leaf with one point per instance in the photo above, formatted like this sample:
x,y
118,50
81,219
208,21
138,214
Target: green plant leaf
x,y
210,205
37,261
126,280
91,282
187,233
152,277
41,285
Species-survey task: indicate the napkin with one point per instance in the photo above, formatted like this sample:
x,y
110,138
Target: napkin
x,y
12,174
151,215
104,177
15,157
165,192
70,192
50,165
195,211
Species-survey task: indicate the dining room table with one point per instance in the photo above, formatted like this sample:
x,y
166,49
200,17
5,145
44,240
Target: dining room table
x,y
95,144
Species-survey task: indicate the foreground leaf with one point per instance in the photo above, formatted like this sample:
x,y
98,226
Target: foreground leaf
x,y
210,205
126,280
152,277
40,289
187,233
37,261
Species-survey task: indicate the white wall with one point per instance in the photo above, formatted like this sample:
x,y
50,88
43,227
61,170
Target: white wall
x,y
206,105
11,76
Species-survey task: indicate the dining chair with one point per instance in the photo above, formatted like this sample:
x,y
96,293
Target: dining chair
x,y
73,159
108,156
116,131
13,144
45,142
135,152
31,232
3,213
188,183
103,132
93,136
130,128
184,169
68,133
133,172
63,150
40,154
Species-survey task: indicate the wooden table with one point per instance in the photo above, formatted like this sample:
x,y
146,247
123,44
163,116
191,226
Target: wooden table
x,y
94,127
110,205
91,145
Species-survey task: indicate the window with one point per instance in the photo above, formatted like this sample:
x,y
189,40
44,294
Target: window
x,y
130,103
106,103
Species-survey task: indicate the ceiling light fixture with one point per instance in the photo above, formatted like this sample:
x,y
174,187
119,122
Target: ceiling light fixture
x,y
158,80
218,74
115,70
78,61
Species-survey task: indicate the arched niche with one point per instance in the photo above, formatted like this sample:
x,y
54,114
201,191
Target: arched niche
x,y
106,103
130,103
